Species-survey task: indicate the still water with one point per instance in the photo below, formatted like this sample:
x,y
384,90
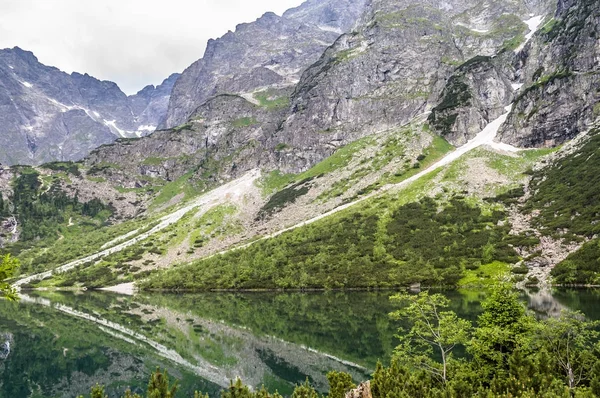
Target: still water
x,y
60,344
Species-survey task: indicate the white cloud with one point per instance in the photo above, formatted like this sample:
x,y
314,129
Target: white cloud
x,y
131,42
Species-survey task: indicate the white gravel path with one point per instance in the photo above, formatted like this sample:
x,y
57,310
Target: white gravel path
x,y
233,190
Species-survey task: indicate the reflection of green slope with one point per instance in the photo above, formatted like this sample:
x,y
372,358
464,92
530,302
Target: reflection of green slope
x,y
351,326
258,336
214,349
584,300
283,371
58,355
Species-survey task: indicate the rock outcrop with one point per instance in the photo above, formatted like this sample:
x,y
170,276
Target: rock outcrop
x,y
560,69
476,94
362,391
394,66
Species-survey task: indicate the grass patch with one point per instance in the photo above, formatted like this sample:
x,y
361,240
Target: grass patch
x,y
244,122
183,185
153,161
276,180
271,100
485,275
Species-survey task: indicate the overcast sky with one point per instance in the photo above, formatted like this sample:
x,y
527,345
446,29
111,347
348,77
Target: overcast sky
x,y
131,42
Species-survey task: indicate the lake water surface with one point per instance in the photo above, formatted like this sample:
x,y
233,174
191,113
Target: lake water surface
x,y
60,344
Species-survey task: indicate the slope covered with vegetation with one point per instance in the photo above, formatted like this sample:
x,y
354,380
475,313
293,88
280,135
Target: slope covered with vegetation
x,y
565,204
380,245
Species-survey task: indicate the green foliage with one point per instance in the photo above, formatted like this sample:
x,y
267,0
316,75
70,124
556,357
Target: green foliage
x,y
4,210
339,384
153,161
456,95
271,100
434,333
474,62
503,328
41,209
240,390
514,43
543,81
100,168
581,267
281,147
567,194
80,239
183,185
98,392
159,386
8,268
305,390
244,122
339,159
294,317
185,126
275,181
414,243
284,197
67,167
485,274
571,344
436,150
511,354
237,390
551,29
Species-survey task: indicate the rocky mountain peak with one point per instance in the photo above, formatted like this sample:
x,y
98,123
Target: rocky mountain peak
x,y
48,115
271,52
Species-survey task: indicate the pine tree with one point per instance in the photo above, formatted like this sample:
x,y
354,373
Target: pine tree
x,y
339,384
8,267
158,386
237,390
305,390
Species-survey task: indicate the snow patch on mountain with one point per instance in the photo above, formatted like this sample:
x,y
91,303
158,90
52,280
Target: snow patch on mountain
x,y
146,128
533,24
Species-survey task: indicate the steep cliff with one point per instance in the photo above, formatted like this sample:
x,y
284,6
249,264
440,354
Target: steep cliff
x,y
270,52
560,71
395,66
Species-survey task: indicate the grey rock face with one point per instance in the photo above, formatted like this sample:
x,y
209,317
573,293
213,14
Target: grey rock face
x,y
397,63
560,70
150,104
224,138
270,52
48,115
476,93
395,67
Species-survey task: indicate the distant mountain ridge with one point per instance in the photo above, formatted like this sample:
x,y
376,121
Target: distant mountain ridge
x,y
48,115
